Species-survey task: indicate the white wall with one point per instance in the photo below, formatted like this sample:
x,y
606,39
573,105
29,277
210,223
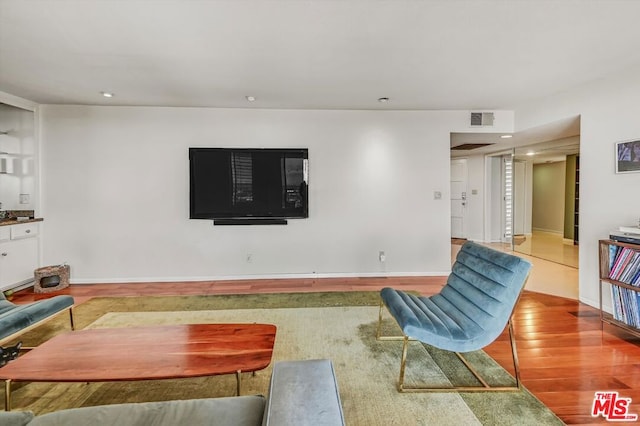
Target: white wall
x,y
115,193
609,111
548,196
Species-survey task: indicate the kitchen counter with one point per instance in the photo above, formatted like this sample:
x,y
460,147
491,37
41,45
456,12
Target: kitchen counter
x,y
5,222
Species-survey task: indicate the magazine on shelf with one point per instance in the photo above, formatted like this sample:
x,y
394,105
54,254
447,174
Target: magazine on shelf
x,y
625,306
625,266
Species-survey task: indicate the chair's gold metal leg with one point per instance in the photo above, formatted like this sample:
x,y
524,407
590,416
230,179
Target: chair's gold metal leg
x,y
238,380
403,363
379,335
472,370
514,353
485,387
379,330
7,395
73,327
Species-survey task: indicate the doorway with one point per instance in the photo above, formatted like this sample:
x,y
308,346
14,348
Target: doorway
x,y
533,200
550,183
512,230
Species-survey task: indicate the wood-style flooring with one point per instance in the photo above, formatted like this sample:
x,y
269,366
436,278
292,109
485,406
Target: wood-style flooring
x,y
549,246
565,357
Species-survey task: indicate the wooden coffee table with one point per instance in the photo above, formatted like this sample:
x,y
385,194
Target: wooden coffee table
x,y
145,353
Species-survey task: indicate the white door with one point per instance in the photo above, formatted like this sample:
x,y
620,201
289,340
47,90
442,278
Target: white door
x,y
458,198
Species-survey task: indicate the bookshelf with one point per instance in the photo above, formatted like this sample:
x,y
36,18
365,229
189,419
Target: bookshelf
x,y
620,268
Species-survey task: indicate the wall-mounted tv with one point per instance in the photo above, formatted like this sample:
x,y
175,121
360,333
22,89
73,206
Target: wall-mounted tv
x,y
243,183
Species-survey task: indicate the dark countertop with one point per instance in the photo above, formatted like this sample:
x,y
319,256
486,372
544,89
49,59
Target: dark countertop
x,y
5,222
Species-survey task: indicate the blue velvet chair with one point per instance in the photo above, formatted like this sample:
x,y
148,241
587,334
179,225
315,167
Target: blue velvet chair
x,y
470,312
18,319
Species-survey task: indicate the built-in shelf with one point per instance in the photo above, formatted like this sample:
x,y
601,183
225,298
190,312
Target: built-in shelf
x,y
629,304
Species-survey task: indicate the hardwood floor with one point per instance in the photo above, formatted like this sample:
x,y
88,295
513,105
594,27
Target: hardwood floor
x,y
565,357
81,293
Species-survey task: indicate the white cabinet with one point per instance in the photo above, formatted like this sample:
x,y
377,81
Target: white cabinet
x,y
18,254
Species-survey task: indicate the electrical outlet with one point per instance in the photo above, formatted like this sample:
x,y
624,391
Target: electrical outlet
x,y
437,195
25,198
381,256
249,257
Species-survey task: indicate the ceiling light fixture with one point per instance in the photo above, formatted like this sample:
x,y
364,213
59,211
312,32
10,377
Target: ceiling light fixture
x,y
506,136
251,98
383,100
530,153
107,94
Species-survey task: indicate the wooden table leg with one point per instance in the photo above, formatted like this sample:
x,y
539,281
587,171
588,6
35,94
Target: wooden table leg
x,y
7,395
238,382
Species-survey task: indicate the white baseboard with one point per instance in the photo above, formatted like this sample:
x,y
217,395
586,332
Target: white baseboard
x,y
141,280
593,303
19,286
549,231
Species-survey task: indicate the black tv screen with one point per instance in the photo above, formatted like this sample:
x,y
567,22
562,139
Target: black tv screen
x,y
236,183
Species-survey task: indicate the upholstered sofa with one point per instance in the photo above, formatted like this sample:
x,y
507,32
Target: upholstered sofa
x,y
301,393
17,319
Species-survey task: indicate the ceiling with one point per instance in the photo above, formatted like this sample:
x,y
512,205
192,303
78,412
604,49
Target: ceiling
x,y
320,54
551,142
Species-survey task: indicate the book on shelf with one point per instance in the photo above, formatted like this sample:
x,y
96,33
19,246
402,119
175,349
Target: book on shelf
x,y
616,301
618,263
625,305
625,266
631,270
613,253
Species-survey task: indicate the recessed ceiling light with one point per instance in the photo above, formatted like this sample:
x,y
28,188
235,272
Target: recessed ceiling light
x,y
251,98
531,153
383,100
107,94
506,136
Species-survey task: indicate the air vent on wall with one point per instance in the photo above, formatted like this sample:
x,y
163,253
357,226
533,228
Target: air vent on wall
x,y
482,119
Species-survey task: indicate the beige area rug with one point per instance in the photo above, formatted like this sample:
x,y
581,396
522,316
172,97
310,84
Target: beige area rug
x,y
366,370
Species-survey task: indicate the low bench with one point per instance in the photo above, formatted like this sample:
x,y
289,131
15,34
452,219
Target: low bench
x,y
301,393
304,393
18,319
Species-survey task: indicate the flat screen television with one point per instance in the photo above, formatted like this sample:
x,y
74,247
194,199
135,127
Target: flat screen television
x,y
243,183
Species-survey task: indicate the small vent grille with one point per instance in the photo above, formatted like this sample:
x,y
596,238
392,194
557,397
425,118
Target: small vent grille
x,y
482,119
469,146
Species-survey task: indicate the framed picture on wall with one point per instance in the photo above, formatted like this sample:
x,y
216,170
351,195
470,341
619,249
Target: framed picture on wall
x,y
628,156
